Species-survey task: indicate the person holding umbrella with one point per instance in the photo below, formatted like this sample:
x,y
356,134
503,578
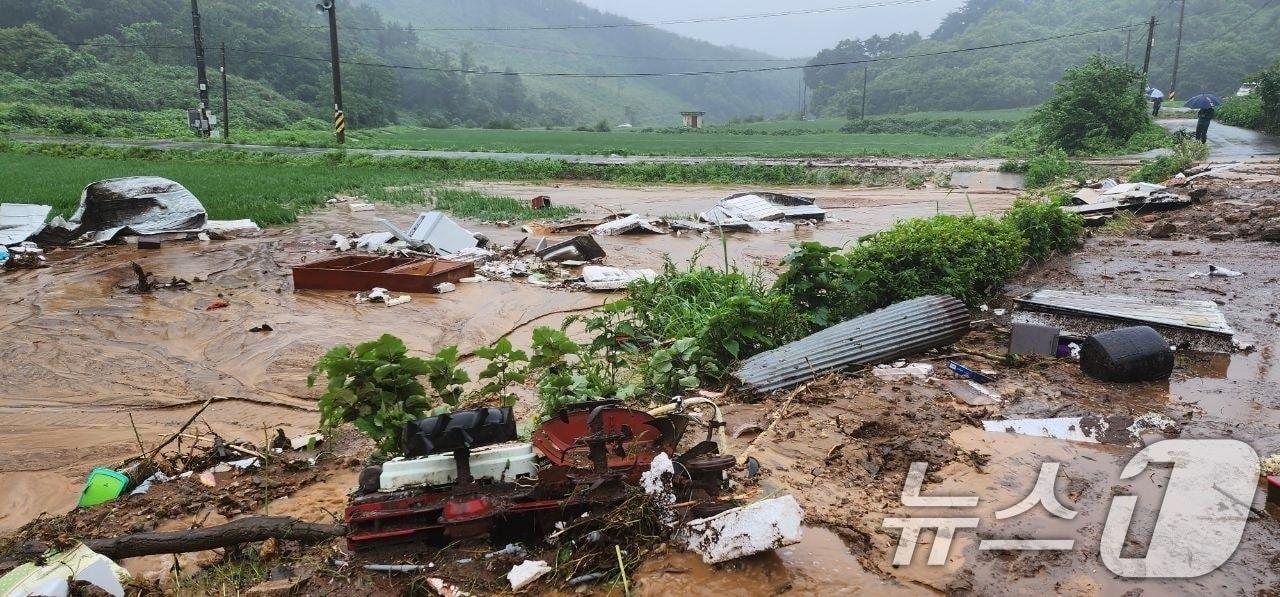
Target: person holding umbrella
x,y
1157,98
1205,103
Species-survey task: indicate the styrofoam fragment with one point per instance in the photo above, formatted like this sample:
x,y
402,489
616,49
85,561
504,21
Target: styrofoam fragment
x,y
889,373
751,529
524,574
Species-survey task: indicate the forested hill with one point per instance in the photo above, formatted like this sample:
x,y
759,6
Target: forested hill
x,y
1224,41
627,49
136,55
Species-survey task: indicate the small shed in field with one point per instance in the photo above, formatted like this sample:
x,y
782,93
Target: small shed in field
x,y
693,120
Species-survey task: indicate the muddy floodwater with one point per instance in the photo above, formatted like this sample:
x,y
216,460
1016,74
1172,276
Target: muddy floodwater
x,y
83,354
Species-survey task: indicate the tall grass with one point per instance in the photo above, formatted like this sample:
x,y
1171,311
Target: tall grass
x,y
338,164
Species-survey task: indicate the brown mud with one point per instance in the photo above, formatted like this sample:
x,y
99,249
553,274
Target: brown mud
x,y
82,352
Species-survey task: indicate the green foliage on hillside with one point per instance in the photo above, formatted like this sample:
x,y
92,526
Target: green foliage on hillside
x,y
136,55
1259,110
1223,41
653,101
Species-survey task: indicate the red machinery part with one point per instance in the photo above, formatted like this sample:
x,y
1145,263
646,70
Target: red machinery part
x,y
558,439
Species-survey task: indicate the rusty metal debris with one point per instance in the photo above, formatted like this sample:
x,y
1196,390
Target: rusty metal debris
x,y
470,477
899,330
402,274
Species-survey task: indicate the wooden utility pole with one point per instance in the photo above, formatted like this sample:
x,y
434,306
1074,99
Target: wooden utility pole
x,y
226,111
1146,62
339,117
865,71
1177,52
202,79
1128,42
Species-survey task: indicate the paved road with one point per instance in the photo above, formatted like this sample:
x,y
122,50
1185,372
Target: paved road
x,y
1232,143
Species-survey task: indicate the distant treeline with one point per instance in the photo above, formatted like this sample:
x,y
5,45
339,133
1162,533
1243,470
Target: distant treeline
x,y
1223,42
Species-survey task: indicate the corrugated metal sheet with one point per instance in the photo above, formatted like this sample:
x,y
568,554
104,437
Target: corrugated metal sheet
x,y
1194,315
19,221
139,205
898,330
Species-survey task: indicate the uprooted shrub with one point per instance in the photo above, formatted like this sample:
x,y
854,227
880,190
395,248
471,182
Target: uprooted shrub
x,y
1045,226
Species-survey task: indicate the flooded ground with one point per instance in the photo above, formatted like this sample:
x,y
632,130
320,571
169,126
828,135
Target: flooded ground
x,y
83,353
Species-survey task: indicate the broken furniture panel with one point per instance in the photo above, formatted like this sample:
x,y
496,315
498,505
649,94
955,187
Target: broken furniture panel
x,y
435,231
1196,325
402,274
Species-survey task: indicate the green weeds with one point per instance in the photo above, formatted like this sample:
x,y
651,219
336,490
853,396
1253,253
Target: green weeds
x,y
1045,226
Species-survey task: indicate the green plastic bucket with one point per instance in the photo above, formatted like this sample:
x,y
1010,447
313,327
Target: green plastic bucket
x,y
102,486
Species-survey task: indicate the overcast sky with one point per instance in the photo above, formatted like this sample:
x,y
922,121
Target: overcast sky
x,y
788,36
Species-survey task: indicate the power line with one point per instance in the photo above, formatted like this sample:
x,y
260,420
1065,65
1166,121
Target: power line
x,y
1237,26
721,19
610,75
692,73
629,57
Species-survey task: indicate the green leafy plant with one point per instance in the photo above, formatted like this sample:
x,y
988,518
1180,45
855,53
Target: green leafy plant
x,y
373,386
820,282
679,368
445,377
507,365
964,256
570,372
1048,167
1186,153
733,315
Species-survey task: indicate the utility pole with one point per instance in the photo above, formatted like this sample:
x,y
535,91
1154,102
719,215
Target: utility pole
x,y
1146,62
202,122
865,70
1128,42
804,88
226,112
339,117
1177,52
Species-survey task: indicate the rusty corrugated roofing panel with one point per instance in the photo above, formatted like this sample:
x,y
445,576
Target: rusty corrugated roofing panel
x,y
899,330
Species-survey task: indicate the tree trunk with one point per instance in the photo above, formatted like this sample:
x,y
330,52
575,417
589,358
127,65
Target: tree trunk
x,y
236,532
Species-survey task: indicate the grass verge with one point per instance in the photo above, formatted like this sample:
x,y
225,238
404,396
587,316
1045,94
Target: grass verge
x,y
273,188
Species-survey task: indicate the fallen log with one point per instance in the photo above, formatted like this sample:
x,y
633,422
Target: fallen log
x,y
236,532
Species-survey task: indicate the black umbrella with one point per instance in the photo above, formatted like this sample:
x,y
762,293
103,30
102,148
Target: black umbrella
x,y
1203,101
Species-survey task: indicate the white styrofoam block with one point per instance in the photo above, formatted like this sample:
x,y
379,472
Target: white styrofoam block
x,y
525,573
751,529
501,463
